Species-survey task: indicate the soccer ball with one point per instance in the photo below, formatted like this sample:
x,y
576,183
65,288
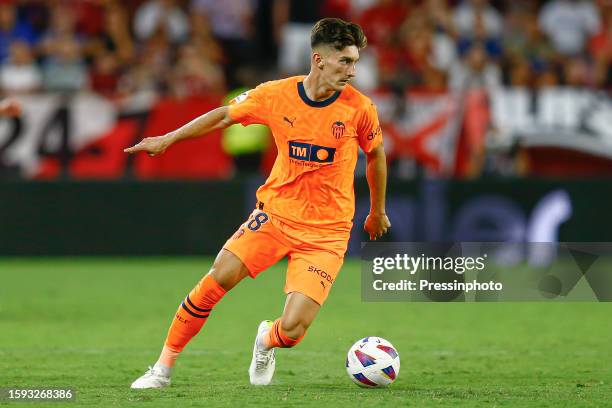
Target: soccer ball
x,y
372,362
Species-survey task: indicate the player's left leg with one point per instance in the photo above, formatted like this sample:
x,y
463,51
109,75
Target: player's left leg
x,y
287,331
310,276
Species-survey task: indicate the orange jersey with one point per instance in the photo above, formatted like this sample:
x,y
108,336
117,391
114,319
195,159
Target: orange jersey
x,y
311,182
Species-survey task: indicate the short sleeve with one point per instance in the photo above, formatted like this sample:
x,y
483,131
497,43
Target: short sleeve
x,y
250,107
368,128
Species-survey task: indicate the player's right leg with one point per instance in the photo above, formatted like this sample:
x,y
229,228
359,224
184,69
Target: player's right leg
x,y
191,315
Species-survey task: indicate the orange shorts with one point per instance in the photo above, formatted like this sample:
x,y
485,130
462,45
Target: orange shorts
x,y
315,257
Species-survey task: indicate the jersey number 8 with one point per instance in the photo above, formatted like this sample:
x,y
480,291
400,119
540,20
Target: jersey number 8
x,y
259,219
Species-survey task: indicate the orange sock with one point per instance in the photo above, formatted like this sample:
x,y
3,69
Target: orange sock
x,y
190,317
276,337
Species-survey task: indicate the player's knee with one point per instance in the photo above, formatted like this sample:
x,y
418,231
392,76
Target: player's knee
x,y
228,270
225,277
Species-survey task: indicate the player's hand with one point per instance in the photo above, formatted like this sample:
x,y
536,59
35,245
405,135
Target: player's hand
x,y
154,146
376,224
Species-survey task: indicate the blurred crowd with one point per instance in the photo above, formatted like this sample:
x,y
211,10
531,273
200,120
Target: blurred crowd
x,y
436,45
198,47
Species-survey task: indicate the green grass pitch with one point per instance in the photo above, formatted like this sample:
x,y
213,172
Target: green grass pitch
x,y
95,325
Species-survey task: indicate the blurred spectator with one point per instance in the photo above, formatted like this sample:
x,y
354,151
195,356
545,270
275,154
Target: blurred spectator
x,y
20,74
425,54
232,23
519,73
475,71
548,78
600,48
439,28
12,30
382,21
166,15
104,74
576,72
137,89
230,19
476,21
64,70
523,40
470,14
293,20
569,24
89,15
201,37
440,17
156,58
146,79
115,36
109,51
195,75
62,29
36,13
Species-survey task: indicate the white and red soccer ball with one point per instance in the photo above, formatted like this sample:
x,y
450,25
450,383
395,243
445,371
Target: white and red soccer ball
x,y
373,362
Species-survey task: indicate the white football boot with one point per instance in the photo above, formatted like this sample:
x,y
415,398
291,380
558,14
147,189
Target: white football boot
x,y
155,377
263,362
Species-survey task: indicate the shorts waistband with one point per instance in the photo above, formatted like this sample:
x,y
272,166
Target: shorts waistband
x,y
343,225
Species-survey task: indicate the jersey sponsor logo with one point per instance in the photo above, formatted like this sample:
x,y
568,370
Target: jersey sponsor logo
x,y
311,152
338,129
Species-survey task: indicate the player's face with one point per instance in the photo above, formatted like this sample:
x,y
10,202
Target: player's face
x,y
338,66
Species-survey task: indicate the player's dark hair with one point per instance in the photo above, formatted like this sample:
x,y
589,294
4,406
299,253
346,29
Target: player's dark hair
x,y
337,33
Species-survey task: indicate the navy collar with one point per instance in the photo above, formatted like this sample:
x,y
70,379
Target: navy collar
x,y
315,104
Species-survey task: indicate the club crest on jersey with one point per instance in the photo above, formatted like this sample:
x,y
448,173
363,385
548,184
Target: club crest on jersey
x,y
338,129
310,152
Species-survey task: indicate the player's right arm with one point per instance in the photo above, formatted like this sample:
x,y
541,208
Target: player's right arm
x,y
215,119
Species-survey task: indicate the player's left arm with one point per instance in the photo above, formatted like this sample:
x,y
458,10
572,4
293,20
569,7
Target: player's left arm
x,y
377,223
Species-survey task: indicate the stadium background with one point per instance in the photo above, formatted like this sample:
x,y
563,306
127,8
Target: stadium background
x,y
496,117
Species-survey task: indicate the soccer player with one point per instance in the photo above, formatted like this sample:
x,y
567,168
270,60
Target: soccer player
x,y
305,208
